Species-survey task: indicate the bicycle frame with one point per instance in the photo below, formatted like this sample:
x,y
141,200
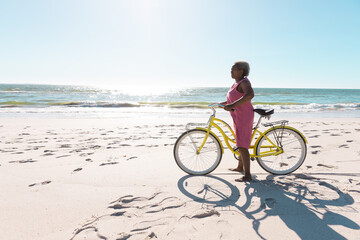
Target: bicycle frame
x,y
278,148
271,149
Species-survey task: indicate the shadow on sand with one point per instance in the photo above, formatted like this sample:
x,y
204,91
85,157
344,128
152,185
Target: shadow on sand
x,y
307,205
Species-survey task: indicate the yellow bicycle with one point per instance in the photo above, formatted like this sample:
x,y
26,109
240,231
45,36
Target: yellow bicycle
x,y
279,150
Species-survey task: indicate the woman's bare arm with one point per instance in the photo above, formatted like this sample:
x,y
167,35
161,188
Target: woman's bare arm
x,y
245,86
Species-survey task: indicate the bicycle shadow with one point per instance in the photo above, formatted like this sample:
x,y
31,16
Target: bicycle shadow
x,y
307,205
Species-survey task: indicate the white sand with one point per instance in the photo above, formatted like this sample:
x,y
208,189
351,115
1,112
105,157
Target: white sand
x,y
117,179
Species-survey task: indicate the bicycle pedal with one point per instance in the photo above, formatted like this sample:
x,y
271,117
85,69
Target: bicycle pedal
x,y
252,158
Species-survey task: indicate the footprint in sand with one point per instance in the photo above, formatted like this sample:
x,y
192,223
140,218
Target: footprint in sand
x,y
349,141
313,130
315,136
335,135
206,214
95,147
138,213
42,183
317,146
323,165
78,150
18,153
86,154
315,152
62,156
344,146
108,163
76,170
152,145
352,180
65,146
48,152
23,161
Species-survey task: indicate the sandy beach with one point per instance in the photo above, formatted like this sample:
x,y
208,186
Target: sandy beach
x,y
95,94
117,179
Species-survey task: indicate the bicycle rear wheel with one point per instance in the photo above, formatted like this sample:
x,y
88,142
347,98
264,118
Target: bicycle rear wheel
x,y
293,146
191,162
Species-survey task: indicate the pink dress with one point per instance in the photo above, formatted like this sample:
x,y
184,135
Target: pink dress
x,y
243,116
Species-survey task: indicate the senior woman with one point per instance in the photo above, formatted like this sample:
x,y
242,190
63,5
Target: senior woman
x,y
238,102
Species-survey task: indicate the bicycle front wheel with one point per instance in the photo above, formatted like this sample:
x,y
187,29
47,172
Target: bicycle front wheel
x,y
187,156
293,146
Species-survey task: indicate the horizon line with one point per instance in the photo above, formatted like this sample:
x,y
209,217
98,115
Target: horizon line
x,y
171,87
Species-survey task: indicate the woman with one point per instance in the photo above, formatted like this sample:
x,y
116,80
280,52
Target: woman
x,y
238,102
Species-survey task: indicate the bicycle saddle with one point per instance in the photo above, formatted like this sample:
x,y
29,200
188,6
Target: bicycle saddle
x,y
264,112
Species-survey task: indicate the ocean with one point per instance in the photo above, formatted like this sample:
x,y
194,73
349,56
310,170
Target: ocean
x,y
32,100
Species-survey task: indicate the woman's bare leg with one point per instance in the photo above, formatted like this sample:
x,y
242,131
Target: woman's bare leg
x,y
240,167
245,156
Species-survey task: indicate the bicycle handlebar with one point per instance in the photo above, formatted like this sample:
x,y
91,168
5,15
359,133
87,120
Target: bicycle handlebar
x,y
216,105
213,105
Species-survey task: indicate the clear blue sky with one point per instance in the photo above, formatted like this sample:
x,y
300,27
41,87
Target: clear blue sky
x,y
288,43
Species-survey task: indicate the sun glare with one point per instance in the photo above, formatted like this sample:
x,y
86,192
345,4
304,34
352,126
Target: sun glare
x,y
141,90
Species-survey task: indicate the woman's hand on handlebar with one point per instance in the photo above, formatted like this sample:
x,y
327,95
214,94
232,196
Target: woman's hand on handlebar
x,y
229,107
223,104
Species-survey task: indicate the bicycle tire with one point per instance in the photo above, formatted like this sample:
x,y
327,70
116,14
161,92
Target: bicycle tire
x,y
186,157
294,147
